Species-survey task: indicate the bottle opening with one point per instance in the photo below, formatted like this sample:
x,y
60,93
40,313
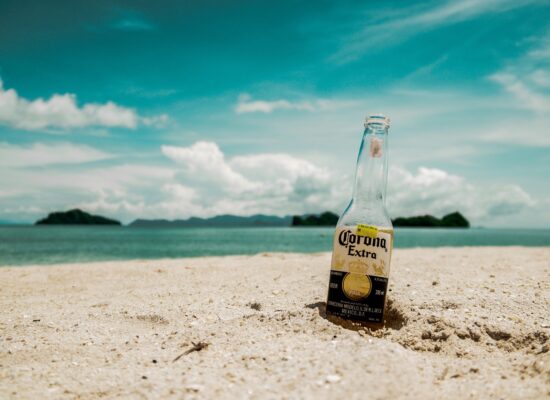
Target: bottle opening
x,y
379,119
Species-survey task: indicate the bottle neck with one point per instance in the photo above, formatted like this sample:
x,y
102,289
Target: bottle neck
x,y
372,167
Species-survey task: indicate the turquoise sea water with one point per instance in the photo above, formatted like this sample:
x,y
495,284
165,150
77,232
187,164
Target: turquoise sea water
x,y
24,245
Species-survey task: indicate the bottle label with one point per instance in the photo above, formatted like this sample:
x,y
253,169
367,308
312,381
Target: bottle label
x,y
359,273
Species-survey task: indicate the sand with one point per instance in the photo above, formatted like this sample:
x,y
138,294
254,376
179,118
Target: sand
x,y
462,323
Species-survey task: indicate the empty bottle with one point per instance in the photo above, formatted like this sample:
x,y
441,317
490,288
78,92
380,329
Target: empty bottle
x,y
363,239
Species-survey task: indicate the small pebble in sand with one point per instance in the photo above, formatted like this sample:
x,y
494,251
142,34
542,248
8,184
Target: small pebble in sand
x,y
194,387
332,378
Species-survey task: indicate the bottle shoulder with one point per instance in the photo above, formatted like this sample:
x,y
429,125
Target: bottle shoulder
x,y
375,215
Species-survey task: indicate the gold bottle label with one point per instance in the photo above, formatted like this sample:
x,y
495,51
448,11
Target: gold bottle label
x,y
355,251
359,272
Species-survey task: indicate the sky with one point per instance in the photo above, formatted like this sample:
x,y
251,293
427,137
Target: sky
x,y
170,109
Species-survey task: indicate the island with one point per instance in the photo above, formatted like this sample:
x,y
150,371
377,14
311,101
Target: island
x,y
220,221
75,217
325,219
453,220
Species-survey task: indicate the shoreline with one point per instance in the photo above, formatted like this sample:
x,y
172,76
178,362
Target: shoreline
x,y
461,322
41,226
258,254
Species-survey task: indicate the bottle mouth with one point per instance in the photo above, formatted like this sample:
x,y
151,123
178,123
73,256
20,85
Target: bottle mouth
x,y
379,119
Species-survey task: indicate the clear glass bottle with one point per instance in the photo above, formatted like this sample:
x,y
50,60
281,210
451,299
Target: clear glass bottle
x,y
363,239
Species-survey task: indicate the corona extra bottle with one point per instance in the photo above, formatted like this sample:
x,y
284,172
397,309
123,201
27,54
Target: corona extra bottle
x,y
363,239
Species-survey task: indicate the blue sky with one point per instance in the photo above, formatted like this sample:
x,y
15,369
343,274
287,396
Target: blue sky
x,y
163,109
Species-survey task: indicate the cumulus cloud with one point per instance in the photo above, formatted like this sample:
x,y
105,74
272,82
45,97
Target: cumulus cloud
x,y
437,192
505,200
62,111
268,183
247,105
204,163
200,180
210,183
123,191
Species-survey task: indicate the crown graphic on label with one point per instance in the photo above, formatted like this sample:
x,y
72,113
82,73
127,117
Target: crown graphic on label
x,y
358,267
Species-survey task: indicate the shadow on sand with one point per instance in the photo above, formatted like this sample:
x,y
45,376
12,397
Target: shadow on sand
x,y
394,317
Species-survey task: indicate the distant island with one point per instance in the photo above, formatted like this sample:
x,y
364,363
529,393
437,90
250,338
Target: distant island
x,y
79,217
75,217
453,220
219,221
325,219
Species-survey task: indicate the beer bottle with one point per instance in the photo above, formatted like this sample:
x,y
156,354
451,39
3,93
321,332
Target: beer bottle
x,y
363,239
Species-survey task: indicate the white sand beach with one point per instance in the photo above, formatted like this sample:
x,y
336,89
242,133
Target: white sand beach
x,y
462,323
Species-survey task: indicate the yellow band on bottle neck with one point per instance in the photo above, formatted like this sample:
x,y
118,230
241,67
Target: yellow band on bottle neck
x,y
367,230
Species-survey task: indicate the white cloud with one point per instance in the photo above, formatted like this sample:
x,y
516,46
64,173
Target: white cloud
x,y
200,180
397,27
203,163
156,120
436,192
268,183
527,81
528,98
541,51
208,183
527,77
123,191
505,200
541,77
247,105
62,111
524,131
40,154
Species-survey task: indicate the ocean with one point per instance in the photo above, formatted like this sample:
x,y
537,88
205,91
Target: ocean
x,y
26,245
